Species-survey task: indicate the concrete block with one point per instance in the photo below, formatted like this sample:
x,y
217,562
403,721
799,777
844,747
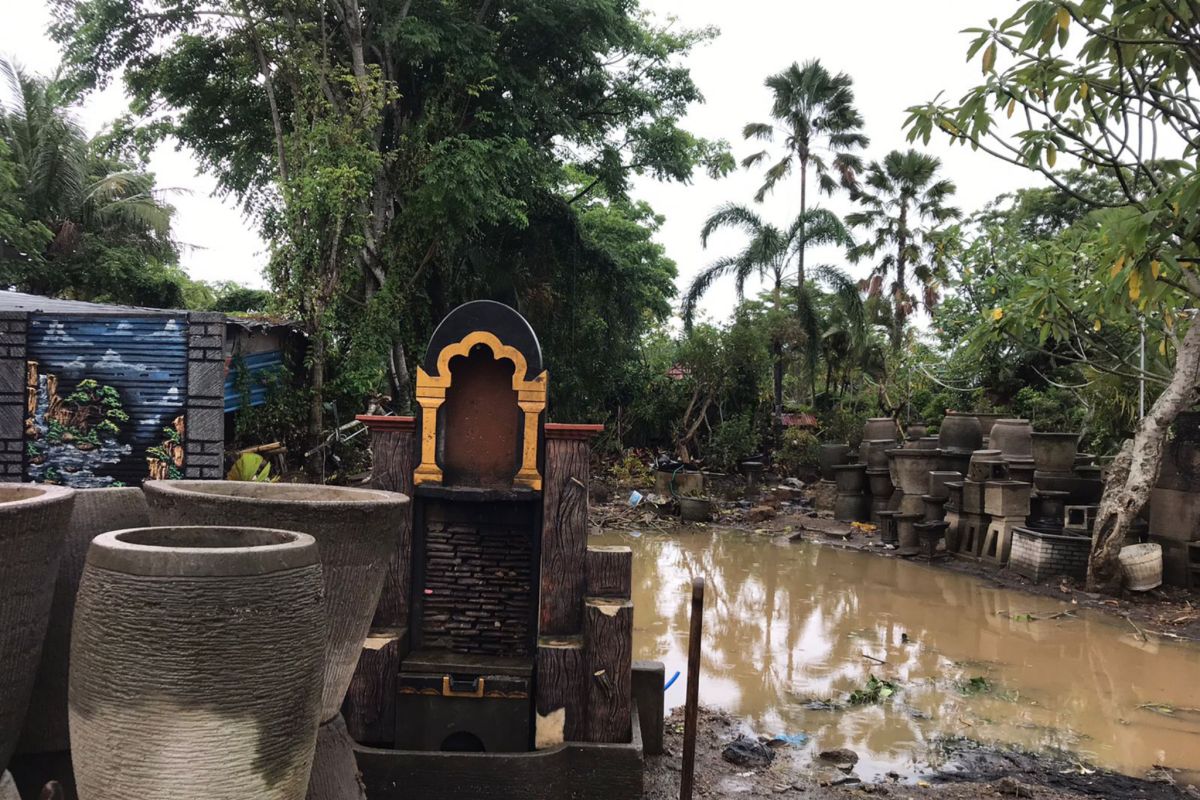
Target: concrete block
x,y
12,376
205,424
206,378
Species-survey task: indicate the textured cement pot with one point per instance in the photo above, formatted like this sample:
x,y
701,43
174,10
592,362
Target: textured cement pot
x,y
880,428
196,664
912,468
852,508
695,509
987,465
987,421
355,530
850,478
960,432
916,430
954,461
33,524
1012,438
1055,452
879,481
907,541
874,452
96,511
830,456
938,480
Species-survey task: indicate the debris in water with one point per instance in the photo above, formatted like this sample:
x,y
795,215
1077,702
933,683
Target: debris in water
x,y
747,753
976,685
793,739
874,692
842,758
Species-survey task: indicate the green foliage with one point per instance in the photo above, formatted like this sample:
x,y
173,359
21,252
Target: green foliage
x,y
876,691
250,467
733,440
800,449
630,471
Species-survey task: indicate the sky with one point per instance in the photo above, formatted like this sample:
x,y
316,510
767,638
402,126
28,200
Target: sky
x,y
899,54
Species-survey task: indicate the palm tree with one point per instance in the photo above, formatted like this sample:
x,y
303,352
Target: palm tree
x,y
768,253
903,203
814,113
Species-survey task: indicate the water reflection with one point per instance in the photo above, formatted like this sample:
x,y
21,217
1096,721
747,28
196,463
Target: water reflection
x,y
786,624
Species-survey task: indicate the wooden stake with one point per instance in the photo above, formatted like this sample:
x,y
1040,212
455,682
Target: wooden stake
x,y
692,703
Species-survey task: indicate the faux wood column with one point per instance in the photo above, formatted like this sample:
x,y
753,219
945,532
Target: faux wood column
x,y
609,572
370,705
564,529
608,640
394,457
562,688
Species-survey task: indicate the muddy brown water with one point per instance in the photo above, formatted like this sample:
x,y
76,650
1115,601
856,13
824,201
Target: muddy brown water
x,y
789,624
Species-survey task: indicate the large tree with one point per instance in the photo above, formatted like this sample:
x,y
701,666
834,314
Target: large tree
x,y
1109,86
814,115
460,118
903,203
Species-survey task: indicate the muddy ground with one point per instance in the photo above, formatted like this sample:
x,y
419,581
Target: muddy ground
x,y
964,770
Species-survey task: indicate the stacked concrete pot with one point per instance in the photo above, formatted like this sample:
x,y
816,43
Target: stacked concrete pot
x,y
910,473
852,504
959,436
1175,502
355,531
196,664
33,524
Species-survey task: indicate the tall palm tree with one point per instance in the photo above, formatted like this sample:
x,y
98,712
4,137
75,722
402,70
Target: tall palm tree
x,y
904,201
814,114
768,254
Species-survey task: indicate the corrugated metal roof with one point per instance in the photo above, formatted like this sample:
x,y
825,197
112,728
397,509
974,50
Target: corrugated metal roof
x,y
32,303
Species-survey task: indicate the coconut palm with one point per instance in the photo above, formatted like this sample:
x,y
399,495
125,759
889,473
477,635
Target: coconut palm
x,y
768,254
904,201
814,114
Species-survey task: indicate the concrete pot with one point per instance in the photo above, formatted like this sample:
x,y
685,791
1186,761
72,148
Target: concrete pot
x,y
96,511
1012,438
1054,452
850,478
874,452
355,530
8,789
1079,491
938,480
987,465
880,428
927,443
916,430
852,508
987,421
954,461
912,468
830,456
879,481
695,509
960,432
33,524
196,664
906,534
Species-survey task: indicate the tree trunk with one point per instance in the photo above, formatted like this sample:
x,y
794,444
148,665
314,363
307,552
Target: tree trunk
x,y
901,279
800,276
1134,471
316,410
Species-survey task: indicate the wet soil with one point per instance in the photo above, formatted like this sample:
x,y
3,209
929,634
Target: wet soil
x,y
968,771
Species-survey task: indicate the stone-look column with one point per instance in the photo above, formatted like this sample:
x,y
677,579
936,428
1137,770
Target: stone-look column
x,y
13,326
204,425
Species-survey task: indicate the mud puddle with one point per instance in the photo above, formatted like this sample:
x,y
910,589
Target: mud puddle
x,y
793,631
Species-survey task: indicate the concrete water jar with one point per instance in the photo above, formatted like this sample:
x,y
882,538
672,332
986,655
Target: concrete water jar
x,y
830,456
33,524
95,511
1012,437
1055,452
960,432
196,664
356,531
874,452
987,421
911,469
881,428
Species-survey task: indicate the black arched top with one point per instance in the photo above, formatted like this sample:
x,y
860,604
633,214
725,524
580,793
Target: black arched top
x,y
498,319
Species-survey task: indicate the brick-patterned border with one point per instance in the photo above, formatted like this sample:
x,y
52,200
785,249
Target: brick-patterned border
x,y
13,328
204,436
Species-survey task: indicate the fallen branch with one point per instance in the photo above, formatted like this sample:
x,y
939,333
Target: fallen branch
x,y
873,658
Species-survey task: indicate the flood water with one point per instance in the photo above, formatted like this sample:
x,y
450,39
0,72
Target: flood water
x,y
786,624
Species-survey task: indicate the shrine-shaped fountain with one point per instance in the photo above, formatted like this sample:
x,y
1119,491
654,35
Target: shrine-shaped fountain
x,y
500,661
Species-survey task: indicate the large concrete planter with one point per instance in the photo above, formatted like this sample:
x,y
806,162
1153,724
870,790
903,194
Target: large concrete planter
x,y
1055,452
196,665
987,422
960,433
880,428
911,469
1012,438
873,452
355,530
33,523
830,456
850,478
95,511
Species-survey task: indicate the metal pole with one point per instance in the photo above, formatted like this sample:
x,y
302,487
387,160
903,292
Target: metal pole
x,y
692,703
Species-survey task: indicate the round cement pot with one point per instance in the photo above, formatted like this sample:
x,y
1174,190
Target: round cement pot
x,y
906,533
695,509
850,478
879,481
852,508
927,443
916,430
1079,491
987,421
910,504
33,524
830,456
887,526
876,452
1046,509
954,461
986,465
938,480
960,432
935,508
912,468
1021,469
96,511
880,428
1012,438
1054,452
196,664
356,532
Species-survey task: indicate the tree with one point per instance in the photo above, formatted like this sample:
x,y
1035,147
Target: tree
x,y
814,114
483,106
769,251
1108,85
903,201
84,222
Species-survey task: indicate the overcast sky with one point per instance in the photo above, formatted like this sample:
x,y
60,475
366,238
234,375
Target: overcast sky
x,y
898,54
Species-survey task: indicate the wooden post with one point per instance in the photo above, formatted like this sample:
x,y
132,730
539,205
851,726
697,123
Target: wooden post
x,y
608,639
561,691
370,704
564,529
692,702
609,572
394,453
649,680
